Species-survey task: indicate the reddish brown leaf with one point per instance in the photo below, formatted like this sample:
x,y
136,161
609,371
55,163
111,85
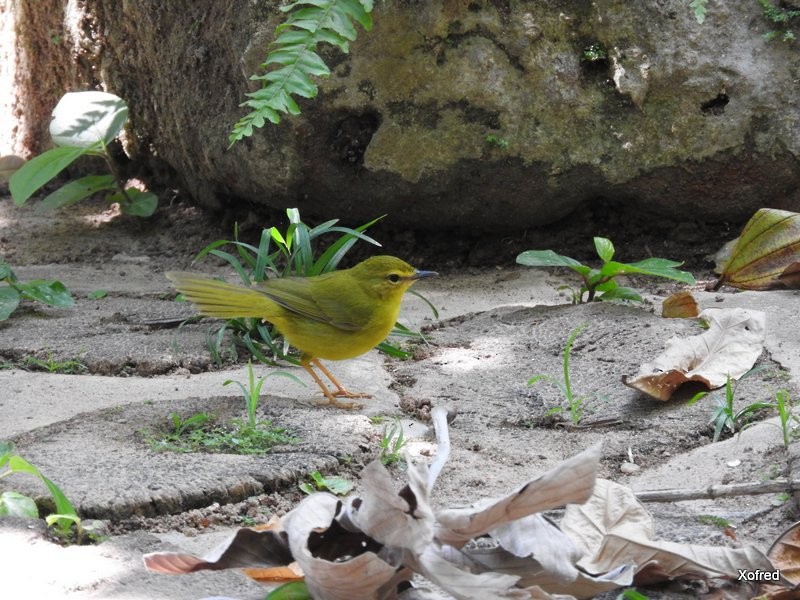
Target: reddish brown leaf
x,y
680,305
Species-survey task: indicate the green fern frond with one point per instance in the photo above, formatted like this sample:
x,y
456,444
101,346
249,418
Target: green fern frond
x,y
699,8
295,51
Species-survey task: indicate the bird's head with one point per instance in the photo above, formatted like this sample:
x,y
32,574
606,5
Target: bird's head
x,y
386,276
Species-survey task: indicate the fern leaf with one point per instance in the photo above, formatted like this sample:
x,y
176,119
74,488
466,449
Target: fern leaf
x,y
309,22
699,8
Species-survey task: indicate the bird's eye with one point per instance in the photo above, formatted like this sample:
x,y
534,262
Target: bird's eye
x,y
393,277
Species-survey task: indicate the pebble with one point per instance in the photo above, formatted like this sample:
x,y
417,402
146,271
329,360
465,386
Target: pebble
x,y
629,468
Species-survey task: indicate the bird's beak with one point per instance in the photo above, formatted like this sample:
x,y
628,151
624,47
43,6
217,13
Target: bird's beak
x,y
421,274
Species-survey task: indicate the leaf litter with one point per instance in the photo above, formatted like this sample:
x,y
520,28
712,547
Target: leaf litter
x,y
728,348
372,544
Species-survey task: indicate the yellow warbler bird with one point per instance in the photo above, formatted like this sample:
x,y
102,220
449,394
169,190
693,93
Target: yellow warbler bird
x,y
337,315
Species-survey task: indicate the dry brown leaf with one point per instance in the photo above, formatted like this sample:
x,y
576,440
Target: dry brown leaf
x,y
338,564
291,572
462,584
399,519
785,556
680,305
247,548
614,528
731,345
570,481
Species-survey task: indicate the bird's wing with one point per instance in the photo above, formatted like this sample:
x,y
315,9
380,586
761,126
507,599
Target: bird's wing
x,y
296,294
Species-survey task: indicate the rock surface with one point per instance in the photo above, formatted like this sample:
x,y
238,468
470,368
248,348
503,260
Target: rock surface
x,y
481,115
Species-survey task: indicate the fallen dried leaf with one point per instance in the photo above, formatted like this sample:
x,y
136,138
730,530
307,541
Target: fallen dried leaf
x,y
730,347
680,305
769,243
614,528
571,481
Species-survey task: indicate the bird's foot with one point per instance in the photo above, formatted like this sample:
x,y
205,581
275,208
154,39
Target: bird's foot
x,y
332,401
343,393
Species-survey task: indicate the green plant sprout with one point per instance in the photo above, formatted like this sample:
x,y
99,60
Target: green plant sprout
x,y
83,124
787,419
631,594
575,404
391,444
497,140
50,365
320,483
600,284
252,393
13,291
295,51
287,254
725,415
15,504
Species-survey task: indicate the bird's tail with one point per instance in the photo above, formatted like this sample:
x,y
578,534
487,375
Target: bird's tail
x,y
215,298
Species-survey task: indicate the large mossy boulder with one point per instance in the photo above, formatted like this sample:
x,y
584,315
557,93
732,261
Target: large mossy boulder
x,y
489,115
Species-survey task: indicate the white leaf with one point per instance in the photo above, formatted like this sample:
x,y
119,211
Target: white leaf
x,y
85,119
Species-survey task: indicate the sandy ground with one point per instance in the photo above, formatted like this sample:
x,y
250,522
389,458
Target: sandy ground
x,y
496,328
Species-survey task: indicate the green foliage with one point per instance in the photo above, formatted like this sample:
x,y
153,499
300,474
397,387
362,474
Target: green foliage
x,y
788,420
593,53
391,444
724,414
600,284
252,393
12,503
784,19
83,124
294,50
497,140
631,594
720,522
575,404
319,483
50,365
699,8
295,590
286,254
13,291
201,433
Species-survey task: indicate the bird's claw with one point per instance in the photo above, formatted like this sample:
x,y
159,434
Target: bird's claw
x,y
331,401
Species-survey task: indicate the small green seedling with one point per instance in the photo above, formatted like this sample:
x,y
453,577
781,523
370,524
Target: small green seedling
x,y
13,503
601,284
83,124
252,393
391,444
50,365
714,520
320,483
97,294
724,415
575,404
788,420
13,291
631,594
496,140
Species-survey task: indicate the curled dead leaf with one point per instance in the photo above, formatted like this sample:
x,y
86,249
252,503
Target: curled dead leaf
x,y
680,305
728,348
768,246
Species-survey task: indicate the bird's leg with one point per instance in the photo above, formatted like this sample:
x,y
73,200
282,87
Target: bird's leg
x,y
340,392
331,396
